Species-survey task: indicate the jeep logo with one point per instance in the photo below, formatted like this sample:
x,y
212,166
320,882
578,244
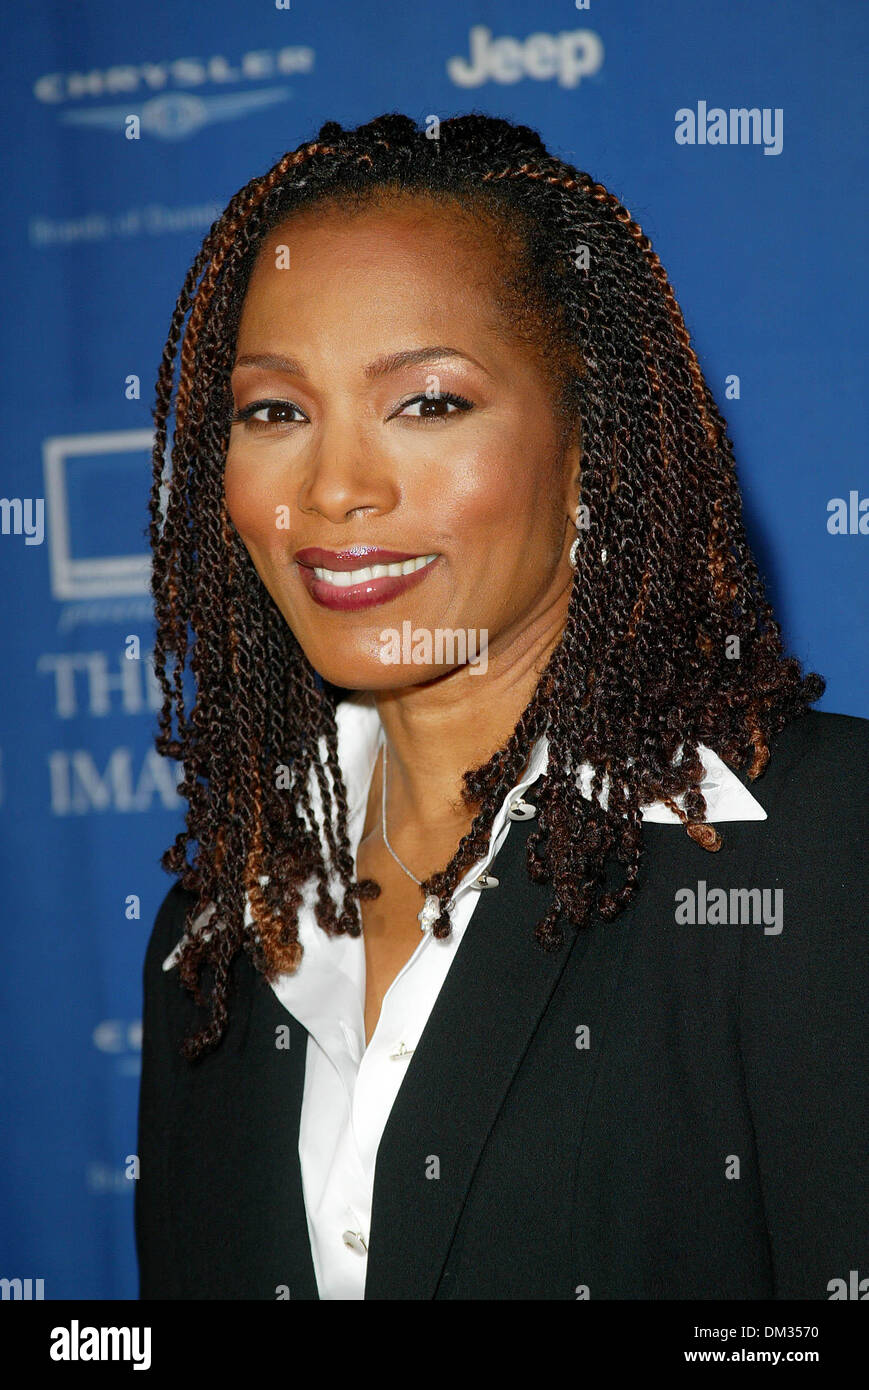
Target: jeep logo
x,y
568,57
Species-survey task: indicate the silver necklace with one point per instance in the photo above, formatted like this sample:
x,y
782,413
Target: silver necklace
x,y
383,824
431,909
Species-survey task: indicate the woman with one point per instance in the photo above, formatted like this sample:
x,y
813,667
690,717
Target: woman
x,y
482,661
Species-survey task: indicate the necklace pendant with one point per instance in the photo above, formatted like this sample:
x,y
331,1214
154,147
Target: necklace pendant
x,y
429,913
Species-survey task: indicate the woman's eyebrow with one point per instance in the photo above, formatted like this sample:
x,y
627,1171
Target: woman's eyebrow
x,y
412,356
382,366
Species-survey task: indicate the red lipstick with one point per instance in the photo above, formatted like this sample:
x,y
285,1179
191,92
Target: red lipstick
x,y
317,566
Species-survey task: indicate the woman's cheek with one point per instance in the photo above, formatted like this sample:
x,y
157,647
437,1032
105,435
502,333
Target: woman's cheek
x,y
251,504
473,489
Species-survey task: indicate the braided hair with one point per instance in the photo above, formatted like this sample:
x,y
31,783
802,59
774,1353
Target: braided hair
x,y
665,595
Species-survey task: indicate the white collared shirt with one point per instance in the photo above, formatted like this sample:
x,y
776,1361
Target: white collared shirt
x,y
350,1088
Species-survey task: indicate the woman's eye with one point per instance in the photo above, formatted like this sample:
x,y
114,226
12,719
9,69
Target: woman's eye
x,y
270,415
269,410
434,407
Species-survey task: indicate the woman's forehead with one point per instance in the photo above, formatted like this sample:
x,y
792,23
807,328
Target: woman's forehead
x,y
444,236
434,276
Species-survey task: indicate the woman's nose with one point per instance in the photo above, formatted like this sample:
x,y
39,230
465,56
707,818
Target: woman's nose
x,y
347,474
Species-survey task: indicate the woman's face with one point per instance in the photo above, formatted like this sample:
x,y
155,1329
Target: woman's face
x,y
346,338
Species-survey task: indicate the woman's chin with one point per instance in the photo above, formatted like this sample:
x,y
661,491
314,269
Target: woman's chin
x,y
367,673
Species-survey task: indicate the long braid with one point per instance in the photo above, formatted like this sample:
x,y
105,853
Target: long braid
x,y
665,580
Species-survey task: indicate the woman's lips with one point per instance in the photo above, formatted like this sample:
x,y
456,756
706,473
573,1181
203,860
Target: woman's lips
x,y
347,581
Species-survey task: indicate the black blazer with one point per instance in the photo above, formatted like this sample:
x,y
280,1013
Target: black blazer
x,y
607,1171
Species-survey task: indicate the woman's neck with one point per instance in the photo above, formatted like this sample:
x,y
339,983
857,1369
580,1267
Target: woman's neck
x,y
438,729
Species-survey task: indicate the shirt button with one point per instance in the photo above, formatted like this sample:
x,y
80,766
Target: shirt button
x,y
353,1240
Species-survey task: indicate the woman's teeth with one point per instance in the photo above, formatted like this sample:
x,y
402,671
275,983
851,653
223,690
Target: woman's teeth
x,y
344,578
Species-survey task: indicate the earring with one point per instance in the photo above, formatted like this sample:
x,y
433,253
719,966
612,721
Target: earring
x,y
574,549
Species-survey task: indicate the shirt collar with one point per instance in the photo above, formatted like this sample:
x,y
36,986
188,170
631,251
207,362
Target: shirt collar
x,y
359,735
360,732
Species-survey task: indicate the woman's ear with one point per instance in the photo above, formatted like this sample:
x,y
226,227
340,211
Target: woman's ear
x,y
572,475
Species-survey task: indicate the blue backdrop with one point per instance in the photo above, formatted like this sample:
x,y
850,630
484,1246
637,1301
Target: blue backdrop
x,y
763,239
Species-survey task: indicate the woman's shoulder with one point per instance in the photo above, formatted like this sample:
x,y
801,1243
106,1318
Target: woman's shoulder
x,y
168,928
818,768
810,856
825,734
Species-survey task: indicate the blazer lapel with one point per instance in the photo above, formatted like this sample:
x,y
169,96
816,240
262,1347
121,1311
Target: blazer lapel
x,y
489,1006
